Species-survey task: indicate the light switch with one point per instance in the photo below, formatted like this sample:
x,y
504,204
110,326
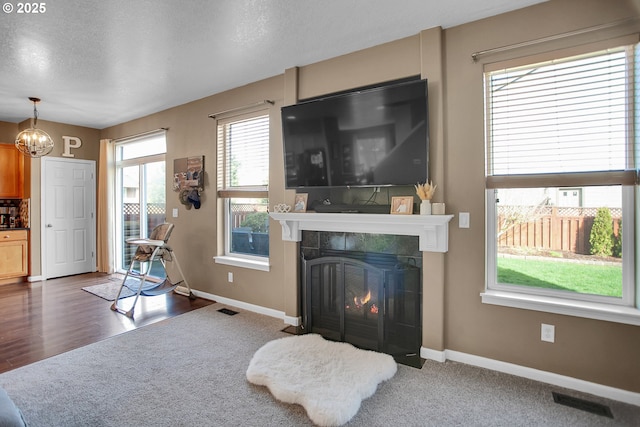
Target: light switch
x,y
175,212
463,220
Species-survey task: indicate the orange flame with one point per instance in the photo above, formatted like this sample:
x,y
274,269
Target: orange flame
x,y
359,302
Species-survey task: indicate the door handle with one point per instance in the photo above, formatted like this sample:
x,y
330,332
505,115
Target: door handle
x,y
49,225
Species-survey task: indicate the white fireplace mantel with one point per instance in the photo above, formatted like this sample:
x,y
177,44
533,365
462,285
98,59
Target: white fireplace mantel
x,y
432,230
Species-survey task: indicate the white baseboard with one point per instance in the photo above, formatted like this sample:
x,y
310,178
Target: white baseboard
x,y
293,321
182,290
534,374
438,356
35,279
289,320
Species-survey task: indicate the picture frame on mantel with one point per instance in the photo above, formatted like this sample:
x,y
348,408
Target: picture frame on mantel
x,y
300,204
402,205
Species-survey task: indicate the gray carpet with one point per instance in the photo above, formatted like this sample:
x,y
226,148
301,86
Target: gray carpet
x,y
190,371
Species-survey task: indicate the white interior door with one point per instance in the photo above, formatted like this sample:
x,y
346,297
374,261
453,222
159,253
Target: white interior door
x,y
68,215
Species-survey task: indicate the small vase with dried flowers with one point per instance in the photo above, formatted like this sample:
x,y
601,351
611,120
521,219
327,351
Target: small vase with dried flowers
x,y
425,192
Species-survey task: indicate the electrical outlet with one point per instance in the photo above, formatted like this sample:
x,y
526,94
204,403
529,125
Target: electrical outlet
x,y
230,277
548,333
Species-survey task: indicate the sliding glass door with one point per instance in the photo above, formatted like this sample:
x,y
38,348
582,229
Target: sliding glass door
x,y
140,193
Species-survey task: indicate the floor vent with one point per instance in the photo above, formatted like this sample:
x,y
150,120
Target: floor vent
x,y
583,405
228,311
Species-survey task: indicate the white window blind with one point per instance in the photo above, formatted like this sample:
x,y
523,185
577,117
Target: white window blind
x,y
243,157
566,121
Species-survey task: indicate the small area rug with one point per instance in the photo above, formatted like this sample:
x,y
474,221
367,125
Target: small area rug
x,y
108,290
329,379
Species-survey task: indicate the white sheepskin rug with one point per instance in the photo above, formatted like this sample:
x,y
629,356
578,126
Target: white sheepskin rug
x,y
329,379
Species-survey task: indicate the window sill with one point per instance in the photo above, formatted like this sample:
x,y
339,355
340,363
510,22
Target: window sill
x,y
243,262
589,310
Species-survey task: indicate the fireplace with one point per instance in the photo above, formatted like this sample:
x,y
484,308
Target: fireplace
x,y
369,299
349,231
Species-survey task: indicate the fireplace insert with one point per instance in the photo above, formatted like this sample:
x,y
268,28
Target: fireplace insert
x,y
372,301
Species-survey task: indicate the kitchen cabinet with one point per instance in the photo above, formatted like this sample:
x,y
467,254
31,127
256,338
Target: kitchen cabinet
x,y
11,172
14,251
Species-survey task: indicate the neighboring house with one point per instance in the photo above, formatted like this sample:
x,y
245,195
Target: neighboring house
x,y
130,187
565,197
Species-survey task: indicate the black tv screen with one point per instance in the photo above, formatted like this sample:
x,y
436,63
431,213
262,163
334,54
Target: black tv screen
x,y
366,137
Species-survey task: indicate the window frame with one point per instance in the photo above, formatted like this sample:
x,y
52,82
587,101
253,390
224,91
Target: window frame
x,y
621,310
141,161
226,256
628,267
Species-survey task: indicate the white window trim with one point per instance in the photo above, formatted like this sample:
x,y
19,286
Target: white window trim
x,y
119,165
626,310
578,305
585,309
246,261
239,260
229,258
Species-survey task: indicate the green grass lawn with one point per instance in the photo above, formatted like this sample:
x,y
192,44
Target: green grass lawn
x,y
568,276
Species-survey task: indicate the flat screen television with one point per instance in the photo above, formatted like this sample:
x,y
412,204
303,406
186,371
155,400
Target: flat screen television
x,y
367,137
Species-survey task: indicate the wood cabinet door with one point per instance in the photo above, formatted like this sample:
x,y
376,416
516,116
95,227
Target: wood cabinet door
x,y
11,172
13,259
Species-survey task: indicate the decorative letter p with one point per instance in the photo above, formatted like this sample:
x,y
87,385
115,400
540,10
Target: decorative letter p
x,y
68,145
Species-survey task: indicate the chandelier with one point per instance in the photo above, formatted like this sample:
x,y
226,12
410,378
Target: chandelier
x,y
34,142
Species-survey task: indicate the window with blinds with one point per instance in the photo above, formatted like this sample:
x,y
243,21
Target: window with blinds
x,y
243,183
563,117
560,174
243,156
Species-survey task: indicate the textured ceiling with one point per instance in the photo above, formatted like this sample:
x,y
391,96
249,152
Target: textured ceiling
x,y
97,63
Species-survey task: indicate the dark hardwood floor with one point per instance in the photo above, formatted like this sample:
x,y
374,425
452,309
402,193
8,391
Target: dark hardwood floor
x,y
42,319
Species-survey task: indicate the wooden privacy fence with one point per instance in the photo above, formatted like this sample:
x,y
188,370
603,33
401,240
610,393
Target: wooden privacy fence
x,y
549,227
156,215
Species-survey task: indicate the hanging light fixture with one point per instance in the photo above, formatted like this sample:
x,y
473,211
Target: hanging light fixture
x,y
34,142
